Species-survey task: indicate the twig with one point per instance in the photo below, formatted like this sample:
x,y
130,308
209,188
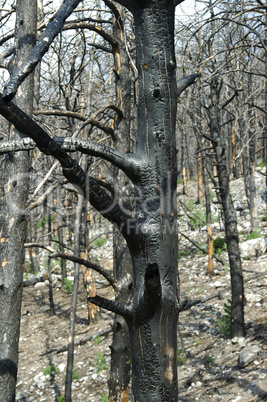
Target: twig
x,y
202,249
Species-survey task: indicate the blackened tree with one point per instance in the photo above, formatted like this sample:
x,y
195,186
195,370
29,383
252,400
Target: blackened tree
x,y
149,223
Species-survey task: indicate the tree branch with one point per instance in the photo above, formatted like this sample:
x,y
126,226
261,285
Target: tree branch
x,y
88,264
6,38
39,245
126,162
185,82
110,305
24,144
201,249
86,185
81,116
129,4
52,30
229,100
92,27
69,113
113,8
44,196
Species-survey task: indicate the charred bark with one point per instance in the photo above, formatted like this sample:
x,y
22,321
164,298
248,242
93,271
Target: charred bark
x,y
153,324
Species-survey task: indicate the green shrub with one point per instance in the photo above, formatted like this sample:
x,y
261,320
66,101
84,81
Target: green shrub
x,y
219,245
255,234
98,242
262,164
210,359
197,218
60,398
101,362
180,359
104,398
51,371
68,286
183,253
98,339
225,324
75,375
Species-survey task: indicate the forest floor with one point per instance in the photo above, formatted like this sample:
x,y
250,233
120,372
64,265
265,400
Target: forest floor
x,y
208,360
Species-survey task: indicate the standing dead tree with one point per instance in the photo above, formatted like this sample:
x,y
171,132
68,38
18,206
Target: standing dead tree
x,y
13,224
149,225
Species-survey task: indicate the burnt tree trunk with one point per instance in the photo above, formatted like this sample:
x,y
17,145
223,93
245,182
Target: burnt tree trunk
x,y
154,313
32,237
208,215
150,227
13,224
249,171
70,358
61,222
119,378
229,213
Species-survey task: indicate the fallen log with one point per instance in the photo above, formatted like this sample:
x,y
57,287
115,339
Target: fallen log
x,y
34,280
82,341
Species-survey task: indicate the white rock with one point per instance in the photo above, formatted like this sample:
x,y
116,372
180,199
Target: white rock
x,y
248,355
62,367
37,377
40,286
253,248
242,342
70,278
94,376
219,284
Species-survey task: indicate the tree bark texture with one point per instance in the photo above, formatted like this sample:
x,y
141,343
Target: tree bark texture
x,y
153,322
13,224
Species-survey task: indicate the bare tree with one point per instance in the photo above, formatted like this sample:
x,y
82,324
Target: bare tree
x,y
149,226
13,224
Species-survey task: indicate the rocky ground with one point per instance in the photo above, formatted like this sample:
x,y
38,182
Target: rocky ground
x,y
208,360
